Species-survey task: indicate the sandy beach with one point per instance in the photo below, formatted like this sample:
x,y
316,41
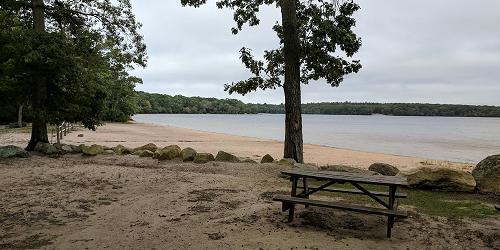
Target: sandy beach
x,y
136,134
127,202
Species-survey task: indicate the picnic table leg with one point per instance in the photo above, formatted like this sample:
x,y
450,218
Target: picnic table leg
x,y
390,221
306,189
293,194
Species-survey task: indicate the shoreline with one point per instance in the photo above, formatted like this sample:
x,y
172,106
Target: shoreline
x,y
136,134
311,144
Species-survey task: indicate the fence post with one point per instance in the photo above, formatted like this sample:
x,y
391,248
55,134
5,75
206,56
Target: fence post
x,y
65,128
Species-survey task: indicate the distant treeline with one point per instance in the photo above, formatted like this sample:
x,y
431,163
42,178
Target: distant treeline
x,y
166,104
122,101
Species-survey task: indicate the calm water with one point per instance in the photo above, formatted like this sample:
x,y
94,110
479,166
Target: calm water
x,y
446,138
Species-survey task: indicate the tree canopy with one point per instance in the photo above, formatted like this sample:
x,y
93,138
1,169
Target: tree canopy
x,y
67,58
325,35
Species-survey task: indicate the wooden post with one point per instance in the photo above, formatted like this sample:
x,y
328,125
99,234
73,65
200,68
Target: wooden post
x,y
390,220
306,189
293,194
65,128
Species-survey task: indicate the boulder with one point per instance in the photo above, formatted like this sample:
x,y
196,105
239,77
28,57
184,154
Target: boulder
x,y
203,158
441,179
63,148
11,151
93,150
267,159
146,153
46,148
168,153
248,160
487,175
384,169
287,161
122,150
67,148
76,149
224,156
150,146
349,169
108,152
188,154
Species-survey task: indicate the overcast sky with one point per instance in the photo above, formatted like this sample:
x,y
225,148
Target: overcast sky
x,y
445,51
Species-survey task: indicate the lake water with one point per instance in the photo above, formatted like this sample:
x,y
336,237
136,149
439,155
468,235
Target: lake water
x,y
444,138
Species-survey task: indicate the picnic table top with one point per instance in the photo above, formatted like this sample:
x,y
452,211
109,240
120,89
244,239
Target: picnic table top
x,y
345,176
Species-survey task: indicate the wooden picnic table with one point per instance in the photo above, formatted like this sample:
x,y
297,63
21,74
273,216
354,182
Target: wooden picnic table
x,y
389,207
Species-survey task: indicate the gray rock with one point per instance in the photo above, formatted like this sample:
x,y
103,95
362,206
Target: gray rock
x,y
92,150
146,153
203,158
227,157
11,151
46,148
441,179
122,150
108,152
66,148
188,154
168,153
248,160
150,146
63,148
487,175
287,161
76,149
267,159
384,169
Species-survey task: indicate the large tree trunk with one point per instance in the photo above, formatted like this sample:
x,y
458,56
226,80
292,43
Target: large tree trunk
x,y
20,116
293,121
39,98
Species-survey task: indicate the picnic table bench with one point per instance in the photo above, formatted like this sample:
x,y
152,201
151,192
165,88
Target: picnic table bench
x,y
330,178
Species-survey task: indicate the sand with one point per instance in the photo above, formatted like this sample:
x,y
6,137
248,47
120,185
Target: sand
x,y
137,134
127,202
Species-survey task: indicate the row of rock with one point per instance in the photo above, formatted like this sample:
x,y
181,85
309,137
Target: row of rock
x,y
485,178
149,150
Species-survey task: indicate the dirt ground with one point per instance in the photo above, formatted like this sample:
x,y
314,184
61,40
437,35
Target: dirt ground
x,y
126,202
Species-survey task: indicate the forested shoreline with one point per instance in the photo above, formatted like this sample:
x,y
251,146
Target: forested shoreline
x,y
121,105
166,104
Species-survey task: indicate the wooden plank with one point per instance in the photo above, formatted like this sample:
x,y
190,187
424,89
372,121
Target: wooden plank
x,y
329,174
339,205
355,191
344,176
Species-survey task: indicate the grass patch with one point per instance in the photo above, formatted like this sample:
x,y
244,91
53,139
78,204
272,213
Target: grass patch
x,y
437,203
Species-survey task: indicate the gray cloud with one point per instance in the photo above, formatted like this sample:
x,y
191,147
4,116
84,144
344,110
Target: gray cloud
x,y
444,51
